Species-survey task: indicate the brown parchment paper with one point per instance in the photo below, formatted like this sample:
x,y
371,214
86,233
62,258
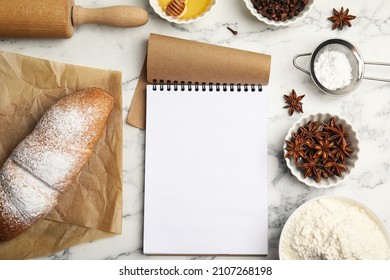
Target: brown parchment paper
x,y
91,208
180,60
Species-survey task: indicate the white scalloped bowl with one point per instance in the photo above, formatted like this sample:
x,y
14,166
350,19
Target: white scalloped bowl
x,y
157,8
283,255
309,6
349,162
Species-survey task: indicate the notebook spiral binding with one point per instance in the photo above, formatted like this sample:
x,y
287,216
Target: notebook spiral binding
x,y
176,86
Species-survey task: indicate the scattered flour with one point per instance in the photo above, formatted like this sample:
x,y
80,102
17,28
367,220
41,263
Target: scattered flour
x,y
333,70
333,229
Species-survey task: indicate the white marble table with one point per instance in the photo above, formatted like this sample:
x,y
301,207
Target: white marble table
x,y
368,108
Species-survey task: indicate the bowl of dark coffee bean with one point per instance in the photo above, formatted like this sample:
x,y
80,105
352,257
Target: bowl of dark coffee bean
x,y
279,12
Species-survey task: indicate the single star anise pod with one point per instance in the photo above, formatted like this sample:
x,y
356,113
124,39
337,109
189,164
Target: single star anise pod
x,y
342,152
322,174
311,131
336,167
347,150
339,135
341,18
338,154
311,166
324,149
294,102
331,123
295,149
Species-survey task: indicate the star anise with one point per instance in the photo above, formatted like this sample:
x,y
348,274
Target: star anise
x,y
338,154
311,131
320,149
311,166
324,149
294,102
339,135
322,174
295,149
347,150
341,18
331,123
336,167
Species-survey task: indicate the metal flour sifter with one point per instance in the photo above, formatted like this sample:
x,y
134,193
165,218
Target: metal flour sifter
x,y
353,55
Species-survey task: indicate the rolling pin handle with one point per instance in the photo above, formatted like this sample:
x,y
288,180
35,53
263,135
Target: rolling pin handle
x,y
118,16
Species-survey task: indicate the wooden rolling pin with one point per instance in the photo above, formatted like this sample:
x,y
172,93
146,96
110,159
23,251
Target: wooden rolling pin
x,y
59,18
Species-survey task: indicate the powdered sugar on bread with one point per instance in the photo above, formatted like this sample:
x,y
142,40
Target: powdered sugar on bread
x,y
26,192
75,121
50,158
53,164
11,219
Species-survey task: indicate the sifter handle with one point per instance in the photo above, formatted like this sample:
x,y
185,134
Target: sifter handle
x,y
299,67
119,16
380,64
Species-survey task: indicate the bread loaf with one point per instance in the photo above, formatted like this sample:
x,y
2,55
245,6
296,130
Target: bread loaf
x,y
48,159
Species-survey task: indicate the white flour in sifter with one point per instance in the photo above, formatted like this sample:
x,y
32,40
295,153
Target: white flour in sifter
x,y
333,229
333,70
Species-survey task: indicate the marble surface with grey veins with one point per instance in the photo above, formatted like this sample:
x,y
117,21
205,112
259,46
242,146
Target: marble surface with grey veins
x,y
368,109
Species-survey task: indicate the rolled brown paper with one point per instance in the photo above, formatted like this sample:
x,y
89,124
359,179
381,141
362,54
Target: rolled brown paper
x,y
173,59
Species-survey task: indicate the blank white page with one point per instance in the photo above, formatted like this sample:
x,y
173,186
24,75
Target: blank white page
x,y
206,172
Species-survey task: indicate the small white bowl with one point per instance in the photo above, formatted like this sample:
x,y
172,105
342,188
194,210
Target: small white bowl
x,y
157,8
350,162
309,6
284,256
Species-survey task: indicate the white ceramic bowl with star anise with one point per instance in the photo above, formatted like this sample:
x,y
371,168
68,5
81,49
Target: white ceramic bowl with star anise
x,y
328,162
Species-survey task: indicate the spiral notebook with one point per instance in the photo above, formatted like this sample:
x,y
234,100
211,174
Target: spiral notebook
x,y
206,170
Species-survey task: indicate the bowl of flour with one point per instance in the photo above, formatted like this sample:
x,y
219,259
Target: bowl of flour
x,y
334,228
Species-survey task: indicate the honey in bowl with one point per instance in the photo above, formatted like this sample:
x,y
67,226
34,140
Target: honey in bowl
x,y
193,9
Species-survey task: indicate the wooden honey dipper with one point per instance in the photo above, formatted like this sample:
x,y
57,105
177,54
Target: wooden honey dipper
x,y
176,8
